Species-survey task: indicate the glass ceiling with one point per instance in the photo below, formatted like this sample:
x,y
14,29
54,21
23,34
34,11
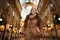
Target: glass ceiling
x,y
25,1
26,10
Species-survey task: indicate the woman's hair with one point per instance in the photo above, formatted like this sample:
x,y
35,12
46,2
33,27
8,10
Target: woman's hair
x,y
35,9
38,19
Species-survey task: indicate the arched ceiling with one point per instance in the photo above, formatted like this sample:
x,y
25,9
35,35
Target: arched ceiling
x,y
14,5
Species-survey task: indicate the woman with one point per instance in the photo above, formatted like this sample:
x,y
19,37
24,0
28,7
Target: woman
x,y
32,26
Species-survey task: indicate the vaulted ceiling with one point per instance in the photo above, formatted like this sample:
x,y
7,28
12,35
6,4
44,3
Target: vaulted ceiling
x,y
7,7
15,6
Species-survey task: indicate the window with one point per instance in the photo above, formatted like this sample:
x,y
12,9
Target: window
x,y
51,6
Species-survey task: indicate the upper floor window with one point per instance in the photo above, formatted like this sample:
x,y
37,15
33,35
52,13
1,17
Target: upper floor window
x,y
51,6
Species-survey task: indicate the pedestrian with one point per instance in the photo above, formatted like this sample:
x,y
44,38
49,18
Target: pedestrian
x,y
32,26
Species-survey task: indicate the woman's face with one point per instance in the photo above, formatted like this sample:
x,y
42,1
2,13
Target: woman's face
x,y
33,11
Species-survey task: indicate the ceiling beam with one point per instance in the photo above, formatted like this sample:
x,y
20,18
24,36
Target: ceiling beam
x,y
44,6
14,6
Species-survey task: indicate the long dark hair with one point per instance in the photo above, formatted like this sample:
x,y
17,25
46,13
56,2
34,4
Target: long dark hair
x,y
38,19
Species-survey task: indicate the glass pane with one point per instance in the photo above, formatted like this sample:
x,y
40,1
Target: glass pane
x,y
27,9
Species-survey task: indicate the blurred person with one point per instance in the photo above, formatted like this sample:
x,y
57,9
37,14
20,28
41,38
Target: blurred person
x,y
32,26
7,31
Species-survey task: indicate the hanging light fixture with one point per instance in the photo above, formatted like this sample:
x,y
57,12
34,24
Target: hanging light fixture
x,y
11,25
59,19
0,19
